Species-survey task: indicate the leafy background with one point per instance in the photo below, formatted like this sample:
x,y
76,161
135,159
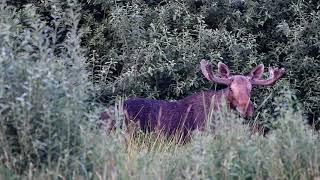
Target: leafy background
x,y
153,48
63,62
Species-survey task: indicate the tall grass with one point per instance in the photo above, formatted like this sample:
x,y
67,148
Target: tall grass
x,y
230,151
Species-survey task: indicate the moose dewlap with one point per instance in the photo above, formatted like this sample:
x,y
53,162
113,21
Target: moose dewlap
x,y
190,113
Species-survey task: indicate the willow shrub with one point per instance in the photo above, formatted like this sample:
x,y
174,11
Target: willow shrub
x,y
153,48
43,90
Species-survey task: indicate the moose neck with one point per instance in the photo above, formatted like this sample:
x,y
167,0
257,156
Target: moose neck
x,y
222,95
209,98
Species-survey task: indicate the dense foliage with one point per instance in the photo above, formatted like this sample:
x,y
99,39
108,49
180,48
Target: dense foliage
x,y
43,89
60,59
153,48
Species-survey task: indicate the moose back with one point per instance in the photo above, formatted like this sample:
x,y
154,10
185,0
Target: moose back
x,y
185,115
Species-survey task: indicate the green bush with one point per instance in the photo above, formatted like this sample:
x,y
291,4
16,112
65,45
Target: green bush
x,y
57,58
43,90
153,49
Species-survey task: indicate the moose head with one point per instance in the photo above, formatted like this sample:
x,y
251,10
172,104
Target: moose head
x,y
240,86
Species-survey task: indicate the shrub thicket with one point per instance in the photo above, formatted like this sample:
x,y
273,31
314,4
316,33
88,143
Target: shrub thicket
x,y
52,52
152,48
43,89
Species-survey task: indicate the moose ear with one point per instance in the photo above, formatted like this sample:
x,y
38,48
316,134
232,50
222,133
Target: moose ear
x,y
223,70
257,72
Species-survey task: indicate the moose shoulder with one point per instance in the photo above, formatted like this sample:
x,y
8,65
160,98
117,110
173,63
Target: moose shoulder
x,y
190,113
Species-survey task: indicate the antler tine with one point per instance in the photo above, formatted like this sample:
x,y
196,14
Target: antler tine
x,y
206,69
274,75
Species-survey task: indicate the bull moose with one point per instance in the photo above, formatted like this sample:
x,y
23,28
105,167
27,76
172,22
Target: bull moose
x,y
190,113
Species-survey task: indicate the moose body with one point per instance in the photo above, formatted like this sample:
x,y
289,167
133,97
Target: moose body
x,y
185,115
182,116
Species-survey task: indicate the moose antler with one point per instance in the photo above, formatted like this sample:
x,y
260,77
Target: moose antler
x,y
274,75
206,69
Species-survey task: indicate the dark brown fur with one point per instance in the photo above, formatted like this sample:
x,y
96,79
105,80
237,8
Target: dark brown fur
x,y
183,116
